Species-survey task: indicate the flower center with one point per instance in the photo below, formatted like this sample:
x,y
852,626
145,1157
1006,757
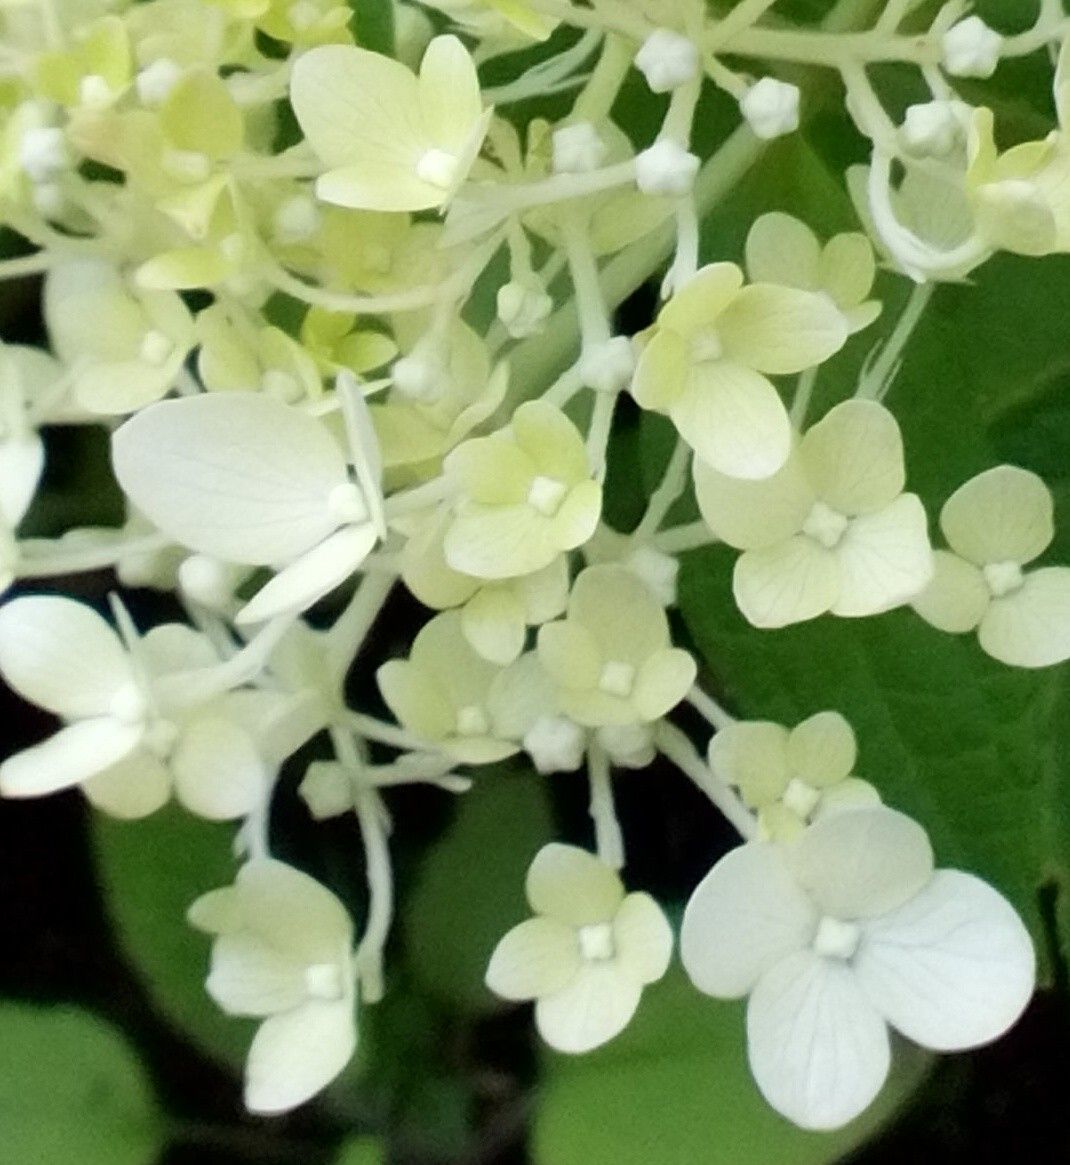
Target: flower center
x,y
472,721
596,942
324,981
836,939
800,797
546,494
706,346
825,525
437,168
1003,578
617,678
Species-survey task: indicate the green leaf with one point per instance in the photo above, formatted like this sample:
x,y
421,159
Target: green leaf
x,y
372,25
362,1151
72,1090
964,744
470,889
150,872
675,1089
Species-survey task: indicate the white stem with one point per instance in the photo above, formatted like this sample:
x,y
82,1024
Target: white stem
x,y
878,377
599,432
671,486
804,391
679,539
675,745
609,841
709,709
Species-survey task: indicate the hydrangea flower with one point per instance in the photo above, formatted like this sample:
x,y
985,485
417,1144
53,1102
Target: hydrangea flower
x,y
27,378
246,479
996,524
784,251
836,938
392,140
133,730
611,657
282,953
791,777
831,531
526,495
586,955
707,361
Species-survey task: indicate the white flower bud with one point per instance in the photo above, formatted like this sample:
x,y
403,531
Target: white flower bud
x,y
667,60
608,367
326,790
555,744
629,746
771,108
155,82
930,130
523,307
659,571
94,92
43,153
577,149
297,219
421,376
209,581
971,49
49,199
666,168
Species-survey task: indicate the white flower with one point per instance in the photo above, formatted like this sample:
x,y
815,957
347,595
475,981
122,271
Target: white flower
x,y
831,531
283,953
971,48
771,108
996,524
667,60
26,376
133,729
247,479
841,935
587,954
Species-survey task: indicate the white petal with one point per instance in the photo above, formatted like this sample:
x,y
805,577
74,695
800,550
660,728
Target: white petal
x,y
1001,515
734,419
593,1009
781,249
952,968
364,448
539,957
72,755
746,915
818,1050
572,886
21,462
753,756
956,598
643,938
297,1054
133,788
493,622
219,774
248,977
854,457
884,559
779,330
751,514
1031,627
822,749
292,911
61,655
308,578
236,475
863,863
787,583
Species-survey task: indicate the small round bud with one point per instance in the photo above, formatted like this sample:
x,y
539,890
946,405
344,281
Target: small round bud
x,y
971,49
346,502
930,130
608,367
49,199
297,219
555,745
156,348
282,386
629,746
523,307
43,153
155,82
659,571
667,60
771,108
129,704
421,376
577,149
94,92
666,168
208,581
326,790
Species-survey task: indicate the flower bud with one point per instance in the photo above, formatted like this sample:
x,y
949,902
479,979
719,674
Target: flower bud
x,y
666,168
608,367
667,60
555,744
629,746
523,307
577,149
971,49
930,130
771,108
155,82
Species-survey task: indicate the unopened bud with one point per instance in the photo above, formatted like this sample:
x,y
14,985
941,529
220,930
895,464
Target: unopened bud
x,y
667,60
771,108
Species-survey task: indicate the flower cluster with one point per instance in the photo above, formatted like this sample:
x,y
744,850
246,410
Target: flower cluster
x,y
347,319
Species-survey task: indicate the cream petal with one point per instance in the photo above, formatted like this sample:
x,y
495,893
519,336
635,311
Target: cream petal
x,y
133,788
537,958
734,419
1001,515
743,918
449,93
661,371
1031,626
292,912
778,330
951,968
848,268
493,621
862,864
219,775
498,542
751,514
822,749
297,1054
957,596
617,608
884,559
248,977
753,756
415,699
788,583
593,1009
854,457
818,1050
572,886
663,681
643,938
702,299
22,461
781,249
71,756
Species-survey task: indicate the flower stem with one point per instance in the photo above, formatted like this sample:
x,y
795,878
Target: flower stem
x,y
609,841
675,745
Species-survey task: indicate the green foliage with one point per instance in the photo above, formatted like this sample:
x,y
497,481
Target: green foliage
x,y
674,1089
150,872
362,1151
72,1091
